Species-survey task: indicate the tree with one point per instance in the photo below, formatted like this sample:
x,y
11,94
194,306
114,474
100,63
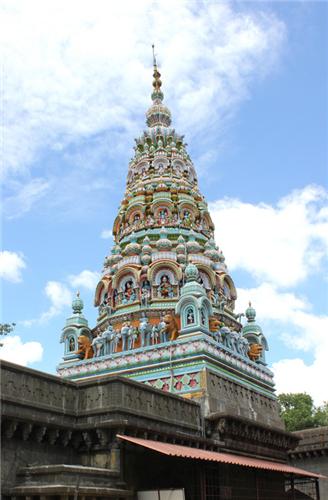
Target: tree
x,y
6,328
298,411
322,414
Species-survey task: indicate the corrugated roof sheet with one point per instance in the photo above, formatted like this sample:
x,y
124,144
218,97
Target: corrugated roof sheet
x,y
175,450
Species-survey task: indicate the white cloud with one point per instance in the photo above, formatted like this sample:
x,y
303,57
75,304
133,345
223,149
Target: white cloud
x,y
24,196
281,244
59,295
86,279
16,351
293,375
300,329
71,73
106,234
11,265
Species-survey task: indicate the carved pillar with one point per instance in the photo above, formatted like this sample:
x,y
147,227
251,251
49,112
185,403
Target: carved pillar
x,y
115,456
26,431
39,433
102,435
66,437
10,429
53,435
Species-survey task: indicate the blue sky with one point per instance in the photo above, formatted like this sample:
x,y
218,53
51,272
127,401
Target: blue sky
x,y
247,85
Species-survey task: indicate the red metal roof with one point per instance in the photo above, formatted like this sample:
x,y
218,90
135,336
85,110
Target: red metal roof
x,y
175,450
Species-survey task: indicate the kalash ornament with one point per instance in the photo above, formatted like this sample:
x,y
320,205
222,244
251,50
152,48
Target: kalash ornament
x,y
165,282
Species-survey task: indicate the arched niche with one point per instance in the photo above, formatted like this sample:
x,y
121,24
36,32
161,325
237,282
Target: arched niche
x,y
134,208
126,289
165,281
124,271
101,289
206,311
162,265
228,287
188,310
205,280
160,165
136,216
117,225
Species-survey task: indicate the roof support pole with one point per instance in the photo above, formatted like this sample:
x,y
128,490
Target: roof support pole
x,y
292,485
317,489
202,482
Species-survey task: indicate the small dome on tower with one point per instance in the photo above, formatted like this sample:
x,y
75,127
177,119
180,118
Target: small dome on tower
x,y
192,245
146,248
77,304
181,246
163,243
132,248
191,272
250,313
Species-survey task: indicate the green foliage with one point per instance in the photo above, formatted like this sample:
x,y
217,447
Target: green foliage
x,y
298,411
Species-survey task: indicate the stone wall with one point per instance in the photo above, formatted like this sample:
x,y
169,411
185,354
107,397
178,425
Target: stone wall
x,y
47,420
312,454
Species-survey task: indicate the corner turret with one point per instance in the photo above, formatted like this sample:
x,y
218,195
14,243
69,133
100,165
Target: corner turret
x,y
75,326
254,334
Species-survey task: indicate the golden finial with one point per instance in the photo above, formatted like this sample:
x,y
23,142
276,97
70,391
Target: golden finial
x,y
157,82
154,57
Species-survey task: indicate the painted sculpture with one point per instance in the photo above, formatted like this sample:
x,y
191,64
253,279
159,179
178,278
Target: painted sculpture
x,y
85,349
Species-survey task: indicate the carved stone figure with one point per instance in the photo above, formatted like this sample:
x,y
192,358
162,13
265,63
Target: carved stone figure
x,y
108,337
84,347
116,341
132,337
190,316
145,296
234,340
171,326
129,294
154,335
226,338
145,331
97,345
244,346
255,351
214,324
165,288
124,334
163,336
71,345
222,303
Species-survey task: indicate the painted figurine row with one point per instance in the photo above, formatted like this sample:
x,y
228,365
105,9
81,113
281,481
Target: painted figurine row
x,y
146,334
163,218
125,339
233,340
166,288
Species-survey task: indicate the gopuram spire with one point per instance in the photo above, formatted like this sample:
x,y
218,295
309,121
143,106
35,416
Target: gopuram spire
x,y
158,115
165,280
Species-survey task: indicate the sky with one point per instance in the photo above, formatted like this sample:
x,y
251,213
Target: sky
x,y
247,85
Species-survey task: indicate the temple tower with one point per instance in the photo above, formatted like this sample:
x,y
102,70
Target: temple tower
x,y
165,298
162,225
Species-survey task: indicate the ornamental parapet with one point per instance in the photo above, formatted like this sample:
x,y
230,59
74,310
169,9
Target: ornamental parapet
x,y
183,349
133,259
163,256
201,259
